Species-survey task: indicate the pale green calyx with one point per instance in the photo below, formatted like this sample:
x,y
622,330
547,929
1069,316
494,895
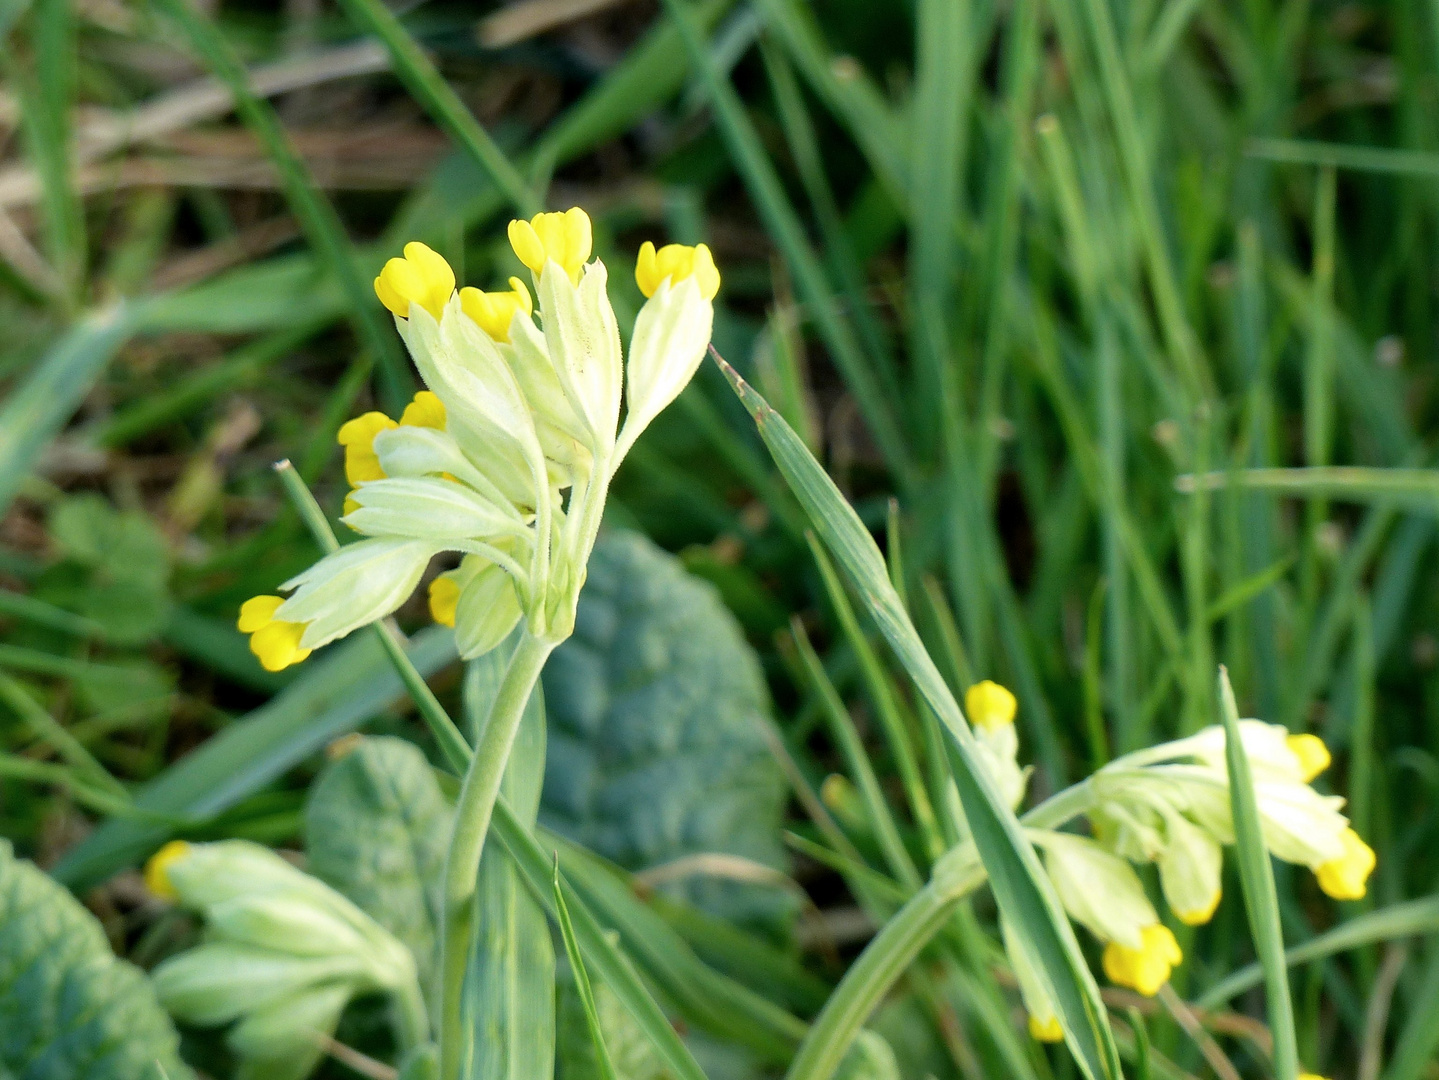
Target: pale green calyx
x,y
283,954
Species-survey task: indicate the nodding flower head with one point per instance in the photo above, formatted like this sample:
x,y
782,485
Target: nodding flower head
x,y
1147,967
422,277
676,262
565,239
506,457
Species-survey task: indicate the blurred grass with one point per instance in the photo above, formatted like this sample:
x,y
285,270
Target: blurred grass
x,y
1132,307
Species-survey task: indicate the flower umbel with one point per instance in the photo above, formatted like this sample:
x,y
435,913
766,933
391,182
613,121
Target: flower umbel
x,y
506,458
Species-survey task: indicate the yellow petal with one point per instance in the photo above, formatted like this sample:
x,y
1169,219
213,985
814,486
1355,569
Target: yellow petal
x,y
357,436
1146,968
421,277
444,600
1346,877
1046,1030
426,410
676,262
257,612
564,238
157,870
493,312
1313,755
990,705
277,645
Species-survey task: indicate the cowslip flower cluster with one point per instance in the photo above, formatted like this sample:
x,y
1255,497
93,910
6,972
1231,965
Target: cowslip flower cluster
x,y
507,456
283,955
1168,805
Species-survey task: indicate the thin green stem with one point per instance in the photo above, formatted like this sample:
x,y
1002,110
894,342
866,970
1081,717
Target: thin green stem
x,y
478,792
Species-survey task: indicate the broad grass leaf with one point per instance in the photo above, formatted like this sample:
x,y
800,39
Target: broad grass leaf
x,y
1018,881
69,1008
376,828
655,749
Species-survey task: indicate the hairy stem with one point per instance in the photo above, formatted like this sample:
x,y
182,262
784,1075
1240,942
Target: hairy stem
x,y
478,792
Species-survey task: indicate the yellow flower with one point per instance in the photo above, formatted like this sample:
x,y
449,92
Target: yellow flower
x,y
276,643
676,262
1344,878
1313,755
1311,1076
425,410
990,705
1046,1030
565,238
157,876
357,436
1146,968
493,311
444,599
421,277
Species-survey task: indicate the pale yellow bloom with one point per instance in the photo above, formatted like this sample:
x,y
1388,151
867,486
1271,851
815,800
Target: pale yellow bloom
x,y
676,262
564,238
1146,968
276,643
157,876
1313,755
990,705
494,311
421,277
1345,878
424,410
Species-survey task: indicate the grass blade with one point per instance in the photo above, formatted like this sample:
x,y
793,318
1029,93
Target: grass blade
x,y
1256,874
784,225
318,218
53,390
582,979
1019,883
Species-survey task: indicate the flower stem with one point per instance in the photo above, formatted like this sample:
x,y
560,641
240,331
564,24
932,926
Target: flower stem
x,y
472,821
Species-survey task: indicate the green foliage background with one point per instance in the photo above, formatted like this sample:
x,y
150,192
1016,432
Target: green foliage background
x,y
1115,320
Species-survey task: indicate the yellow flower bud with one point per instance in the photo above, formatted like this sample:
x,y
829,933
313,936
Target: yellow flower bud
x,y
1146,968
676,262
564,238
444,599
1311,1076
493,311
276,643
1345,878
1046,1030
421,277
157,877
426,410
990,705
1313,755
357,436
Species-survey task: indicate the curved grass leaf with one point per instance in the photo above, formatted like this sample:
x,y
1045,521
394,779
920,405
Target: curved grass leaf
x,y
1019,883
68,1006
1256,875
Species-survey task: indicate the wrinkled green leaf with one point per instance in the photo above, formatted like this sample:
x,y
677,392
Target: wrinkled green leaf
x,y
656,749
376,826
69,1008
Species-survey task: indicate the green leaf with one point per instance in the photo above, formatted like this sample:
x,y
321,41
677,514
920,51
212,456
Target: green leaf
x,y
69,1008
509,1002
1019,883
656,750
375,829
604,1066
870,1058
